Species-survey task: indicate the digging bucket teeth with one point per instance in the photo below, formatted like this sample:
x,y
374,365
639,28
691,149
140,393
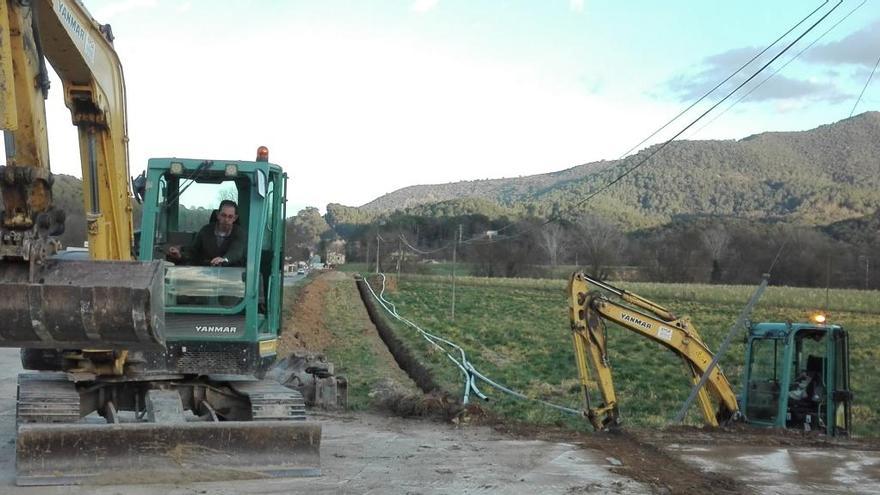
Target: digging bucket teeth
x,y
132,453
79,304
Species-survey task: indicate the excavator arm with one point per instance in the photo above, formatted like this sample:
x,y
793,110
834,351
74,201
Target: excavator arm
x,y
589,311
81,52
47,302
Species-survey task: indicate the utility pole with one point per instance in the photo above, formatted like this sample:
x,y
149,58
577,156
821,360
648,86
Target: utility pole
x,y
399,253
377,253
454,249
367,257
828,284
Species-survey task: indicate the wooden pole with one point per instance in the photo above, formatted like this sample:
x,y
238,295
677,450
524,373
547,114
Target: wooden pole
x,y
454,249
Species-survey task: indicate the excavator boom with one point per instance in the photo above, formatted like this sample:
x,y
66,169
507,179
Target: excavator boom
x,y
589,310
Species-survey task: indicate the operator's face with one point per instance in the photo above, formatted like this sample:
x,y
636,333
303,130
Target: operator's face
x,y
225,218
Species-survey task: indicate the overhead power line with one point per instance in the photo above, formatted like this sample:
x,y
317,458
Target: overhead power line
x,y
555,217
679,133
789,31
866,87
420,251
728,78
755,87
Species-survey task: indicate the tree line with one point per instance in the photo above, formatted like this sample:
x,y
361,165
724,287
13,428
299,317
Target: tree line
x,y
499,241
693,249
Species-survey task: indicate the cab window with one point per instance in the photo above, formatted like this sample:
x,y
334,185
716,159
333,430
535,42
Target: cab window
x,y
764,380
186,206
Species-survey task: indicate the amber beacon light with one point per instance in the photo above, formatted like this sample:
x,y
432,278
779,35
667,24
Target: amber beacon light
x,y
262,154
819,318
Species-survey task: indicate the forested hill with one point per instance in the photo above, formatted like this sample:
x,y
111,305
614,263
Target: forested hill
x,y
814,177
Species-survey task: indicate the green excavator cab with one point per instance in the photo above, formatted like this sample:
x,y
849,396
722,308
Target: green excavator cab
x,y
797,376
230,312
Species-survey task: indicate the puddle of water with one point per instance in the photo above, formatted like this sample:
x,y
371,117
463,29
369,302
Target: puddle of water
x,y
789,469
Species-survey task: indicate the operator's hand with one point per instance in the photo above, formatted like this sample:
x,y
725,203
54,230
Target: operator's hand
x,y
219,261
174,252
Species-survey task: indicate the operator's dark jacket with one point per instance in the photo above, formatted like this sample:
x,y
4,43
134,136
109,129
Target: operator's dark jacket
x,y
204,248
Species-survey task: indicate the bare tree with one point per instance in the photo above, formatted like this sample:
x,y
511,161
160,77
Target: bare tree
x,y
551,237
227,192
716,240
601,242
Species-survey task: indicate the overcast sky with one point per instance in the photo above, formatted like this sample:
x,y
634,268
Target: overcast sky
x,y
358,98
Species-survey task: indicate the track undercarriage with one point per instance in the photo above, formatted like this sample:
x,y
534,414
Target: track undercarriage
x,y
160,428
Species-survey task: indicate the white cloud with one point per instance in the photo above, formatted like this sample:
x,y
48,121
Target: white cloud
x,y
789,105
576,5
422,6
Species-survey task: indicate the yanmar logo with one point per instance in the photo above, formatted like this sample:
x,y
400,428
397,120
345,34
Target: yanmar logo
x,y
76,30
213,329
631,319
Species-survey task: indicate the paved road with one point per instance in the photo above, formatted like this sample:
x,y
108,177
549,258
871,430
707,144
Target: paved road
x,y
371,454
292,278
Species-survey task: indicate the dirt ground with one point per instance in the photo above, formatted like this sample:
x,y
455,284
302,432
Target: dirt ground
x,y
381,452
306,329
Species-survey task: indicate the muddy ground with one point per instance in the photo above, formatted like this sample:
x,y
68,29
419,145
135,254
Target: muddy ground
x,y
380,452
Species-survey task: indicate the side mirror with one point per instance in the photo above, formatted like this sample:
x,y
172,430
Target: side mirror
x,y
139,187
261,183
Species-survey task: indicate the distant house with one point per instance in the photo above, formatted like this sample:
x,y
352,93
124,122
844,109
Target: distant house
x,y
336,253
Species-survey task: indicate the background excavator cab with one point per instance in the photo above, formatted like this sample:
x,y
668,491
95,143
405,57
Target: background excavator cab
x,y
797,376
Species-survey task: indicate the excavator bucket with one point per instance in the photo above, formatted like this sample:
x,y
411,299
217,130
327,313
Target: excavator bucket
x,y
80,304
133,453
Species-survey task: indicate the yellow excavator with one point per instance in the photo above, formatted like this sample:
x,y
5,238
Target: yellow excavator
x,y
143,370
796,375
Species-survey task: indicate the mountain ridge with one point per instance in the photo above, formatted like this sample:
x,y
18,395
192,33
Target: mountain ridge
x,y
817,177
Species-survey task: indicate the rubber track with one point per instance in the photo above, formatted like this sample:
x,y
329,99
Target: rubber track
x,y
47,398
272,401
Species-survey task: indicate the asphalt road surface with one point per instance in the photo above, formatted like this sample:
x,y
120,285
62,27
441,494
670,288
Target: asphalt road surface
x,y
293,277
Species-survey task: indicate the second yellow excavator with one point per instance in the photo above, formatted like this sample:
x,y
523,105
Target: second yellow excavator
x,y
796,374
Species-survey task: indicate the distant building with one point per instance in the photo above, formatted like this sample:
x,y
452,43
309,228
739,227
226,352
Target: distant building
x,y
336,253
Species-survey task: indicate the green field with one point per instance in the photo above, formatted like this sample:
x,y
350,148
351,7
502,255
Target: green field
x,y
516,331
